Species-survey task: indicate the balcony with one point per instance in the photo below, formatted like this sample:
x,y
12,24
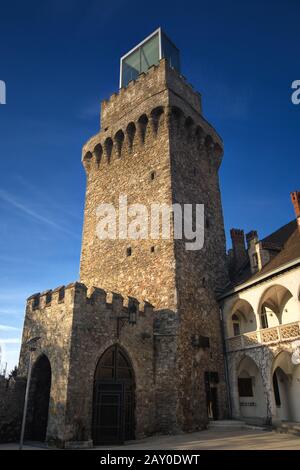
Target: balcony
x,y
266,336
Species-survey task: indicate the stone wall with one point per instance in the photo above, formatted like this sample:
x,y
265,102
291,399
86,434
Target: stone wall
x,y
12,394
195,160
75,330
49,315
95,330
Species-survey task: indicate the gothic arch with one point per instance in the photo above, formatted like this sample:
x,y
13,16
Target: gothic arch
x,y
177,116
39,399
286,387
188,125
272,304
130,133
108,146
87,158
119,139
114,397
252,399
245,315
142,126
97,153
156,116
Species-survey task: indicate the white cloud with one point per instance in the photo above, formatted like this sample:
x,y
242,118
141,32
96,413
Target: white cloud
x,y
7,328
6,197
10,341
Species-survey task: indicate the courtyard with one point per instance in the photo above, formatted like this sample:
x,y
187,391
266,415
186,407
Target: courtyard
x,y
205,440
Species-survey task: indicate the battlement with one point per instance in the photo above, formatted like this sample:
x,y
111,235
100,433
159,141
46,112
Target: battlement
x,y
152,105
136,115
78,293
157,79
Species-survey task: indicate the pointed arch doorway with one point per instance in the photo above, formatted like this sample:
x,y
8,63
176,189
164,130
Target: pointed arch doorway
x,y
39,398
114,398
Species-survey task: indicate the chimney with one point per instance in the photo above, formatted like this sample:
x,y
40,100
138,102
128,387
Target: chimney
x,y
238,245
295,197
251,236
253,250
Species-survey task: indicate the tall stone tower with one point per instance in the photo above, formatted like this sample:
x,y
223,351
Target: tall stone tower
x,y
140,333
155,146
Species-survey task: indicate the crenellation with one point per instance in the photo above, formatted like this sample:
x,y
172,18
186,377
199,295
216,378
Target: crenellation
x,y
33,296
77,293
97,296
117,302
166,72
45,299
33,302
146,308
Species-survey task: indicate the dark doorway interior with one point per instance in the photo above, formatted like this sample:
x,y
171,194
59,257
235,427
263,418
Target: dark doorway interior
x,y
276,390
211,379
114,399
39,400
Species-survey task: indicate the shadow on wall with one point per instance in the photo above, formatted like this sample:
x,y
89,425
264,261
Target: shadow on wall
x,y
12,394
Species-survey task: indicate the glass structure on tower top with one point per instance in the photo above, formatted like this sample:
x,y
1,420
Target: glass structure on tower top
x,y
147,53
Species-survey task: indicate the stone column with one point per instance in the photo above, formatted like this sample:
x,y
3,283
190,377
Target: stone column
x,y
233,383
267,380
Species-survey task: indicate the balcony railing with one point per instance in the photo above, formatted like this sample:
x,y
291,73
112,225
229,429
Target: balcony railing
x,y
257,338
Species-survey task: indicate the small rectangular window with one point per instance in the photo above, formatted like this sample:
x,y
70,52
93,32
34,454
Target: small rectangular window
x,y
36,302
129,251
61,294
48,298
236,329
245,387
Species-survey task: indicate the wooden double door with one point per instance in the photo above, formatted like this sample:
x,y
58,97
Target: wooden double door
x,y
114,398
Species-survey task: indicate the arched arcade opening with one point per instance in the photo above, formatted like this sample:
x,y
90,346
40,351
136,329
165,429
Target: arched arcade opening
x,y
252,399
286,387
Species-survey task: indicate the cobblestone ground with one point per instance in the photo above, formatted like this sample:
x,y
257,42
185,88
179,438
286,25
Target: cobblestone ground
x,y
205,440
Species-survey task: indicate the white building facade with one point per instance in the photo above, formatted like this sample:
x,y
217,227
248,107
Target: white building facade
x,y
261,323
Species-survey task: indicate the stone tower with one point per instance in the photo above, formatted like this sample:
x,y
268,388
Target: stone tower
x,y
142,328
155,146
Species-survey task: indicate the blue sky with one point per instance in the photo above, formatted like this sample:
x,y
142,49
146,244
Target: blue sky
x,y
59,59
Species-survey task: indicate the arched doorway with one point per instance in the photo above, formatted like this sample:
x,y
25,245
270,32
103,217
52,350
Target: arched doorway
x,y
281,394
39,398
252,400
114,398
286,387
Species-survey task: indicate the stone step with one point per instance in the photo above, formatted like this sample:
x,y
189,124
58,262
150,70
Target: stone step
x,y
288,427
226,424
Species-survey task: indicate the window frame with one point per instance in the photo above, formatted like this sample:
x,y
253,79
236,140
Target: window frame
x,y
243,387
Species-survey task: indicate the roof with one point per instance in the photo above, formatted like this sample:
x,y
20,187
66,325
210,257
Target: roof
x,y
285,246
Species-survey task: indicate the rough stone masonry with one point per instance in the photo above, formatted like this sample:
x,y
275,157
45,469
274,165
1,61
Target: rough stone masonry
x,y
154,146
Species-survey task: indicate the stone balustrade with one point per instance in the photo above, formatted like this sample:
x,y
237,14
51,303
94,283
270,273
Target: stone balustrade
x,y
265,336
